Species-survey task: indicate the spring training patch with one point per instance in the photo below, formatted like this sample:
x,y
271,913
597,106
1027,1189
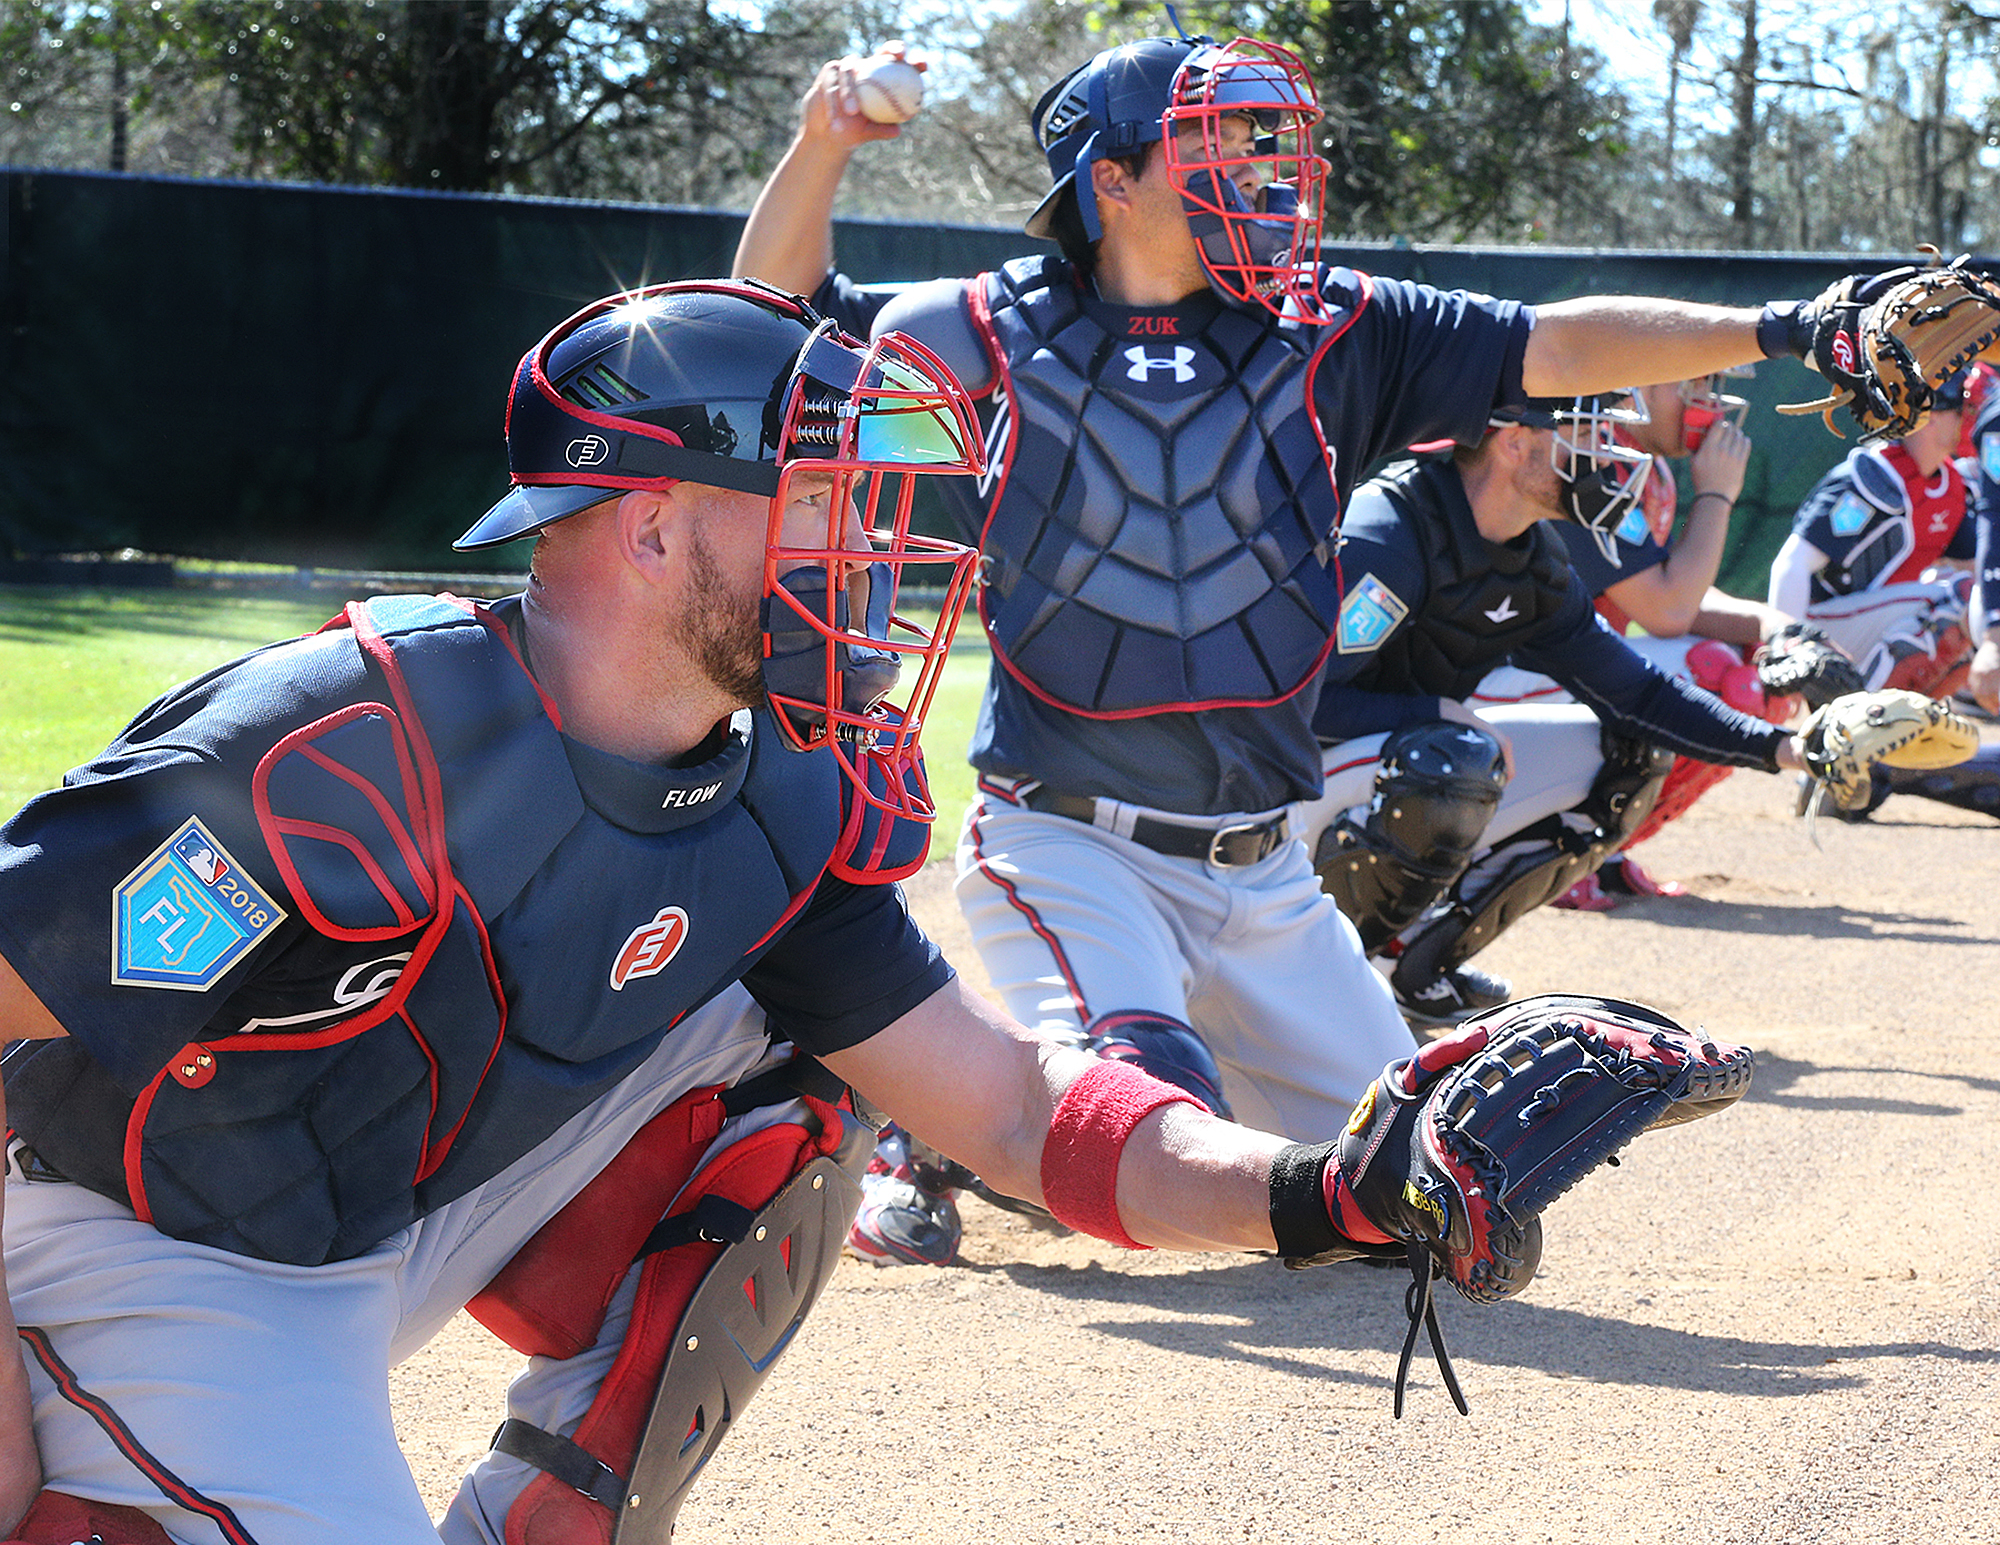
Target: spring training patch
x,y
1989,454
1633,530
1849,514
186,915
1368,614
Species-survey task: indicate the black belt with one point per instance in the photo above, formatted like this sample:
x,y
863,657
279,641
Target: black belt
x,y
1247,842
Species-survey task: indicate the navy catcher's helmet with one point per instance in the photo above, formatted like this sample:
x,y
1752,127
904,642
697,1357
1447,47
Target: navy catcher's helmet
x,y
1113,106
733,384
1258,231
1604,478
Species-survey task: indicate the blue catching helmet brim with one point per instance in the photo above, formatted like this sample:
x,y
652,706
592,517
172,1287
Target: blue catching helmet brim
x,y
525,511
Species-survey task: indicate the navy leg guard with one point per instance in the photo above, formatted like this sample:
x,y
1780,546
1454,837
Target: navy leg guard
x,y
1165,1048
1973,784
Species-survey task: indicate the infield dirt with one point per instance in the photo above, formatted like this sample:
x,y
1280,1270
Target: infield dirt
x,y
1777,1325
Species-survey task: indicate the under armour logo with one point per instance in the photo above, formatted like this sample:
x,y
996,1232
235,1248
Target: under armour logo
x,y
1504,612
1181,363
587,452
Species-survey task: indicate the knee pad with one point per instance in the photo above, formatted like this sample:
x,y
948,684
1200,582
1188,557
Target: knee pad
x,y
1936,663
729,1266
1720,668
1438,788
57,1518
1538,863
1169,1050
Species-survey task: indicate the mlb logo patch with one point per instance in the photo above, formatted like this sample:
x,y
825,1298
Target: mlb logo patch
x,y
1368,614
1849,514
186,915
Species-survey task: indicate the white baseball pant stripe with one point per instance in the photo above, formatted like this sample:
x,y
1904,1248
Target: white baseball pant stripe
x,y
1074,922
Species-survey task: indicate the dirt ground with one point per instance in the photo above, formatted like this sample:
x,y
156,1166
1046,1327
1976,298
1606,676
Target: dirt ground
x,y
1778,1325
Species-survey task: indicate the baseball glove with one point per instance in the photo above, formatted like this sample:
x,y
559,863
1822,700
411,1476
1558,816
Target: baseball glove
x,y
1801,661
1884,341
1895,727
1454,1152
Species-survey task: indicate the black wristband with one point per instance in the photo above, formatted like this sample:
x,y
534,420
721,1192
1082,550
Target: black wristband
x,y
1782,332
1299,1217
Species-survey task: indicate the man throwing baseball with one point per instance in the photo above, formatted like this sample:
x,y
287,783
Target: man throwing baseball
x,y
1177,408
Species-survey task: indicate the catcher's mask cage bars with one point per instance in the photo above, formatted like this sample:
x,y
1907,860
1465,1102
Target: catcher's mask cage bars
x,y
1603,478
1705,402
871,419
1259,244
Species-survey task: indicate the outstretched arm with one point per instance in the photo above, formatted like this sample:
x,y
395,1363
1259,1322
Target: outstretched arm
x,y
788,239
957,1071
1598,343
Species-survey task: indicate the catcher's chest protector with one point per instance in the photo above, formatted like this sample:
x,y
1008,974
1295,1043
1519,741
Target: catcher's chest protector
x,y
439,814
1899,519
1485,598
1158,534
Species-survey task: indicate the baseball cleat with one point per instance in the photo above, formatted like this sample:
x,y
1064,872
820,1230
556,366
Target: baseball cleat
x,y
1452,997
908,1212
1620,877
900,1223
1587,895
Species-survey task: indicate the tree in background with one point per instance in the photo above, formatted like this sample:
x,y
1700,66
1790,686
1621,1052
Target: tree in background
x,y
1829,124
598,98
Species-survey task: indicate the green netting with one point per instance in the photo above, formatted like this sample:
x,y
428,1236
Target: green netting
x,y
316,376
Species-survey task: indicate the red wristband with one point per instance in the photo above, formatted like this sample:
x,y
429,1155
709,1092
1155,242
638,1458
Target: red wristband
x,y
1086,1136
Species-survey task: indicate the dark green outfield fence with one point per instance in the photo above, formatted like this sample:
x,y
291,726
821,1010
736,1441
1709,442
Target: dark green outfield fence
x,y
316,376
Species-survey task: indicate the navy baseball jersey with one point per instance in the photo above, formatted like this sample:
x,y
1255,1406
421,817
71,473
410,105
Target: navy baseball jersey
x,y
1160,516
343,928
1432,606
1638,551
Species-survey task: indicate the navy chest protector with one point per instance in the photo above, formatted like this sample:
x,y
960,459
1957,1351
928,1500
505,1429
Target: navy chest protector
x,y
443,820
1485,600
1156,551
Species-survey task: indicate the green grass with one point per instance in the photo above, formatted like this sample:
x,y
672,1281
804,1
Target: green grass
x,y
76,665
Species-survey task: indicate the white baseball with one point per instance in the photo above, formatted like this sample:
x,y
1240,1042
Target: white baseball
x,y
890,90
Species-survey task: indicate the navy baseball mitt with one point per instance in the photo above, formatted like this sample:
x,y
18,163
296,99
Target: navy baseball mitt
x,y
1453,1153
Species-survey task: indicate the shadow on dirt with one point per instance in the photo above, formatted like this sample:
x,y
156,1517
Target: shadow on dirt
x,y
1702,914
1777,1077
1252,1313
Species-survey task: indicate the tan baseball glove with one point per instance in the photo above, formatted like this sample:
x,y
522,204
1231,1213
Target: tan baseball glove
x,y
1884,342
1894,727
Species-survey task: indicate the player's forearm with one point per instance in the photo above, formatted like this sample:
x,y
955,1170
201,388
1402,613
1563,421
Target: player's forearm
x,y
1694,561
1597,343
1187,1181
1735,619
788,239
1984,682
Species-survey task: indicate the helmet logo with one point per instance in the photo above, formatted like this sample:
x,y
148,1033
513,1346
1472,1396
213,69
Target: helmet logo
x,y
1180,362
649,948
587,451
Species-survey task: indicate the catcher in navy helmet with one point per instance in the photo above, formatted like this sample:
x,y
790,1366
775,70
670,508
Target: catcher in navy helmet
x,y
542,959
1179,399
